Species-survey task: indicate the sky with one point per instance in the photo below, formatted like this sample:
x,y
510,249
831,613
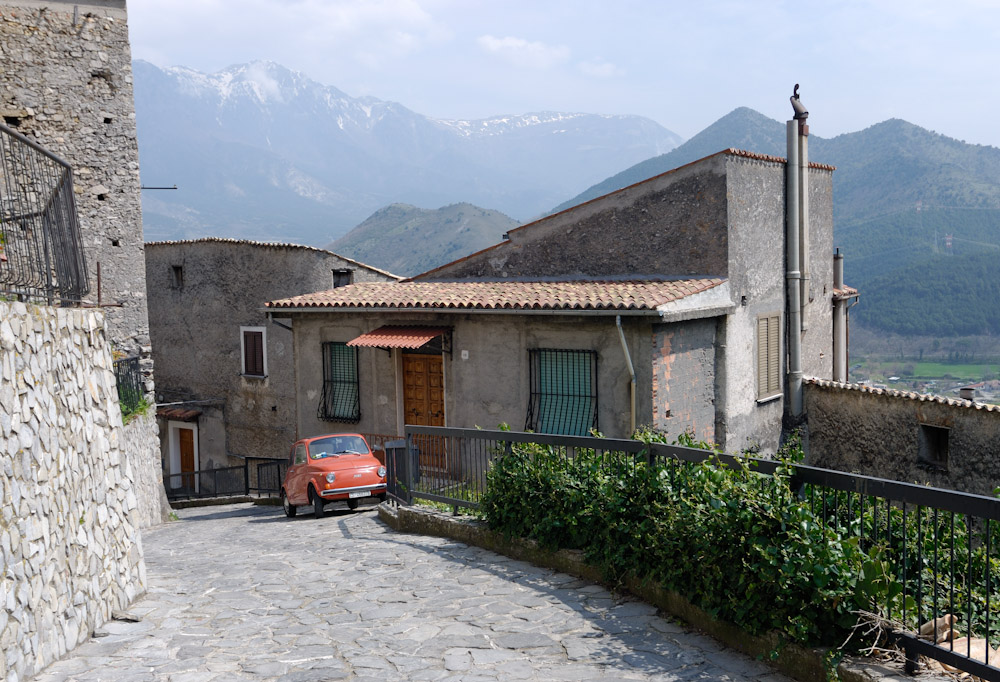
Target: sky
x,y
684,64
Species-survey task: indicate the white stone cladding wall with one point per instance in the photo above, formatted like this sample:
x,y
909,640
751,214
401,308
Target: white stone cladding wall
x,y
69,537
141,445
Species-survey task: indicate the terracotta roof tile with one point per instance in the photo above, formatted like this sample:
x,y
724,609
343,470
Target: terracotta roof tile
x,y
921,397
506,295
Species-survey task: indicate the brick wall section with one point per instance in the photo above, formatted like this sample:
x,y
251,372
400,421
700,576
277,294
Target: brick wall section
x,y
684,378
877,433
69,508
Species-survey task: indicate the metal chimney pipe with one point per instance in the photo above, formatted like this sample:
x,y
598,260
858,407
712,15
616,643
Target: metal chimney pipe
x,y
839,321
803,169
792,274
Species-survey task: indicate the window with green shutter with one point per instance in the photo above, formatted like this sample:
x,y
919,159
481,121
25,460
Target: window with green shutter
x,y
341,399
768,356
563,396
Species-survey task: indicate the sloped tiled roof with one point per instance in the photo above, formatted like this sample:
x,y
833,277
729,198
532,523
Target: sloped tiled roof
x,y
284,246
504,295
891,392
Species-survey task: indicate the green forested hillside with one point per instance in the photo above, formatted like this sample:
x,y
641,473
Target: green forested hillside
x,y
407,240
942,296
898,190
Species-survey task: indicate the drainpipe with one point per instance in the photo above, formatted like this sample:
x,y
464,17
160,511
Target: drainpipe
x,y
793,275
631,374
839,321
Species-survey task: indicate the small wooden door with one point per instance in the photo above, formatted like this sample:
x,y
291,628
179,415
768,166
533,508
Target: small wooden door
x,y
185,442
423,403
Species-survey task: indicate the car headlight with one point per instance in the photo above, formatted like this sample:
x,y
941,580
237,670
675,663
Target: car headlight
x,y
331,477
381,472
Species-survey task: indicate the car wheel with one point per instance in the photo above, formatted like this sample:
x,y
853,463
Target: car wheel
x,y
317,503
352,504
286,505
381,498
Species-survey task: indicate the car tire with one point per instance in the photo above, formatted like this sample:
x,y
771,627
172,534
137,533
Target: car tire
x,y
352,504
317,503
289,508
381,498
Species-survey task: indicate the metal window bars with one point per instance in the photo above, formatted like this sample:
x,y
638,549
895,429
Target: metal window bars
x,y
41,251
131,389
563,393
341,400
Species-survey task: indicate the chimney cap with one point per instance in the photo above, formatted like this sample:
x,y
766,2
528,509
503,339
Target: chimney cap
x,y
800,110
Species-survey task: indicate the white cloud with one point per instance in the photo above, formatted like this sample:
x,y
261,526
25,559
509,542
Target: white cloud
x,y
598,68
524,53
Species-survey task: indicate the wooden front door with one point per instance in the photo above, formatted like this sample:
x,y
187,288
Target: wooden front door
x,y
423,403
185,441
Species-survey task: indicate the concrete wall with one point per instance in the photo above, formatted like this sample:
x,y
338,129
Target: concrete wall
x,y
877,433
195,326
71,500
672,225
66,83
490,385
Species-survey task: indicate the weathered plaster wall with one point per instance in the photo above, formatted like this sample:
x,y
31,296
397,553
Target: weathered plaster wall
x,y
70,504
195,326
877,433
683,382
673,225
491,386
757,237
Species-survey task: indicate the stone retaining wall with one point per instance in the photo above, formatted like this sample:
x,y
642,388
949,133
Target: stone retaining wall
x,y
70,511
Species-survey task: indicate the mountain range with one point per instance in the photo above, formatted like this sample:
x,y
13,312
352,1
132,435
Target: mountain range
x,y
912,212
259,151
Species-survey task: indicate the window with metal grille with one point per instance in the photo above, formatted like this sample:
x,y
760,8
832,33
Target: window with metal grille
x,y
252,347
768,356
341,399
563,396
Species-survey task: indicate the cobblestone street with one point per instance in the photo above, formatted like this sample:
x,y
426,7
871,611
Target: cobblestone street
x,y
240,592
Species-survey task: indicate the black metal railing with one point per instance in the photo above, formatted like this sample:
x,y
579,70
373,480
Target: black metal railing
x,y
130,382
41,251
266,475
220,482
941,547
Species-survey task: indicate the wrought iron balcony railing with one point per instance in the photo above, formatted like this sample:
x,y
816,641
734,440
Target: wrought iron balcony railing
x,y
41,251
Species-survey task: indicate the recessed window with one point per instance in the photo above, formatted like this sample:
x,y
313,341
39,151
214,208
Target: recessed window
x,y
341,278
563,398
177,275
341,401
933,446
768,356
253,351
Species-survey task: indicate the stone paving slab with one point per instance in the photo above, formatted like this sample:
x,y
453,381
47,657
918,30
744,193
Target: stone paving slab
x,y
241,593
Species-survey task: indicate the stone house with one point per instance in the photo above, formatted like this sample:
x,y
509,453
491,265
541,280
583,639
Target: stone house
x,y
663,304
224,370
915,438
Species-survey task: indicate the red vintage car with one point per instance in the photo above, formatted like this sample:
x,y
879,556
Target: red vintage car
x,y
337,466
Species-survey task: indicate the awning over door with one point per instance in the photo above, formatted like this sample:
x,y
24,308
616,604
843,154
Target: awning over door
x,y
398,337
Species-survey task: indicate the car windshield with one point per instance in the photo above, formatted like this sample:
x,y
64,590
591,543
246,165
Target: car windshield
x,y
334,446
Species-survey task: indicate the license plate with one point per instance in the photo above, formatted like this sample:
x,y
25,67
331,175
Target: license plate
x,y
360,493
